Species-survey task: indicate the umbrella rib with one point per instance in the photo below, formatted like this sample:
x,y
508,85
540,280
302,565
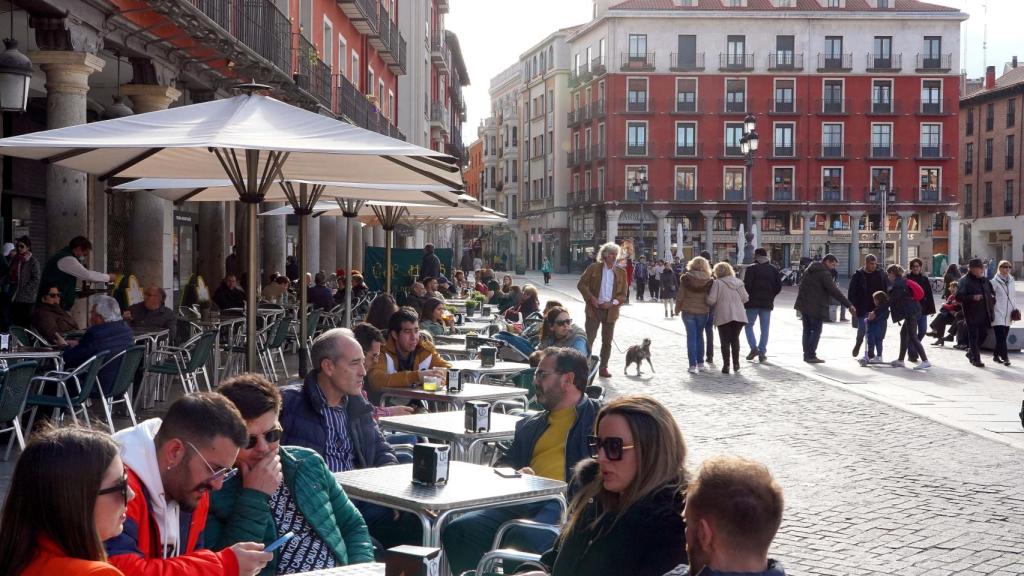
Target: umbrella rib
x,y
440,165
423,172
230,169
129,164
271,174
188,196
350,207
65,155
437,196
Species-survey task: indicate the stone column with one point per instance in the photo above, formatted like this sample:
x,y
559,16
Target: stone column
x,y
855,218
904,238
954,238
660,216
328,244
273,241
709,231
67,84
212,241
378,236
805,248
341,239
312,247
367,242
419,239
611,224
150,98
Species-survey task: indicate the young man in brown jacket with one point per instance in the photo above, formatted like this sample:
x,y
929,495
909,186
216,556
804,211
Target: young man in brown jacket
x,y
604,289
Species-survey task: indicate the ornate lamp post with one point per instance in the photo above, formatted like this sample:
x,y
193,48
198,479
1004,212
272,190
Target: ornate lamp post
x,y
748,145
640,187
15,75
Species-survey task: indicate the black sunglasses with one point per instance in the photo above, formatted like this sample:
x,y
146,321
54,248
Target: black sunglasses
x,y
271,436
121,487
612,446
53,294
565,322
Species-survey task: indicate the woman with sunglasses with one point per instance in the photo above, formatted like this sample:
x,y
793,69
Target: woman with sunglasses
x,y
24,276
55,522
559,331
1005,312
281,490
627,515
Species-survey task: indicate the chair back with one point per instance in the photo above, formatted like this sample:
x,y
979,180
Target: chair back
x,y
14,384
279,333
130,361
524,379
88,380
312,322
202,350
26,337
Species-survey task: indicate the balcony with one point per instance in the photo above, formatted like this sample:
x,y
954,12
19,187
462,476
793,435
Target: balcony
x,y
728,62
312,74
733,194
691,150
443,6
440,54
638,105
934,63
733,106
833,193
574,158
686,103
597,109
363,15
986,209
780,192
785,61
931,194
884,62
886,151
636,150
832,107
636,62
832,151
890,108
585,114
440,117
597,152
578,78
730,151
781,107
381,40
573,117
684,194
693,62
785,152
597,67
357,110
394,56
835,62
932,151
934,107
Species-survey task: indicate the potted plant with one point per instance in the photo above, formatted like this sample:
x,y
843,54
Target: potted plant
x,y
471,306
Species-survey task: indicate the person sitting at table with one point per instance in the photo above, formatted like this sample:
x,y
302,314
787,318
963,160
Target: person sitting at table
x,y
547,444
381,309
559,331
432,285
405,360
152,313
416,297
320,296
229,294
627,515
275,290
371,341
433,318
328,414
283,489
506,300
173,465
107,332
42,534
529,302
50,320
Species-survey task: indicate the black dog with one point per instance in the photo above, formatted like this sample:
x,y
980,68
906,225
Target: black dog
x,y
637,354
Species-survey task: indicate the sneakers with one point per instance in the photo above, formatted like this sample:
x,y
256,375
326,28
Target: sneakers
x,y
814,360
876,360
923,365
762,358
693,370
752,354
897,364
856,349
863,361
711,364
702,367
939,342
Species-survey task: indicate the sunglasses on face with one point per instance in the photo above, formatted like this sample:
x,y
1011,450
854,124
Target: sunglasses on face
x,y
612,446
565,322
271,436
216,474
53,294
119,488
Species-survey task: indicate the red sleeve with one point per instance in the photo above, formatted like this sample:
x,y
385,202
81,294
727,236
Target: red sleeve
x,y
198,563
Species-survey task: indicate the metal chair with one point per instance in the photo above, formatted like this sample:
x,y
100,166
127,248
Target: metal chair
x,y
186,361
84,377
274,341
120,389
27,337
14,384
498,555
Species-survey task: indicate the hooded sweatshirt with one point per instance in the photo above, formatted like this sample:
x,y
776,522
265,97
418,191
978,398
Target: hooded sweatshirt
x,y
727,296
691,298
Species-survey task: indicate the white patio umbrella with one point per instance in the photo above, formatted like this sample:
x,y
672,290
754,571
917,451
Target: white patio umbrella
x,y
254,140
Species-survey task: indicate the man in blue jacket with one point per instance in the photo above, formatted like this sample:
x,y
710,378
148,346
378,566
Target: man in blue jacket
x,y
547,444
107,332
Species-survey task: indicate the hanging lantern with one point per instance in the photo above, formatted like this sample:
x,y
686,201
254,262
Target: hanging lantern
x,y
15,77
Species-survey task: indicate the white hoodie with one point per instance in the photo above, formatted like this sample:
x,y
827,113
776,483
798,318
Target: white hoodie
x,y
139,453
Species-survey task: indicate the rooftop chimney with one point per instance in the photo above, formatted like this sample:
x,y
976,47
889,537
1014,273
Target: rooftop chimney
x,y
990,77
1014,62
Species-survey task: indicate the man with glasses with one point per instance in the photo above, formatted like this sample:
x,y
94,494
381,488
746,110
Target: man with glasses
x,y
547,444
152,312
174,464
50,320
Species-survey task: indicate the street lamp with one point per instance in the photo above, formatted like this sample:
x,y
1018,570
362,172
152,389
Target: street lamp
x,y
15,75
748,145
884,193
640,187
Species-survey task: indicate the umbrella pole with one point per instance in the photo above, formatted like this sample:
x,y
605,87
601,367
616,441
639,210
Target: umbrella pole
x,y
252,285
303,294
348,271
387,249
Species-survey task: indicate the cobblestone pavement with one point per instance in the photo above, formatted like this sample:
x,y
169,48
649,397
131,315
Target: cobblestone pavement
x,y
870,489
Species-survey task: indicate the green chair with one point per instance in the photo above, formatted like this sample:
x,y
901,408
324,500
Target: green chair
x,y
275,341
120,389
522,379
27,337
186,362
14,384
84,377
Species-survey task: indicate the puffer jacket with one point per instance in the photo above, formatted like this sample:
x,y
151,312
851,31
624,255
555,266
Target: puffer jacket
x,y
385,372
576,338
727,297
817,289
763,284
976,312
239,514
691,297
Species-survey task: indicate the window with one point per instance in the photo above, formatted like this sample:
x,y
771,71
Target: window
x,y
342,59
932,52
636,95
881,140
881,96
577,67
931,97
782,184
590,60
638,46
831,184
833,52
687,57
636,138
600,50
328,42
832,140
1011,112
736,52
988,155
987,207
968,201
969,158
930,178
733,133
686,183
784,95
733,184
783,141
735,95
355,74
784,56
686,95
634,174
882,56
931,140
833,101
370,83
686,138
306,19
1008,198
1010,151
990,117
600,184
881,181
969,129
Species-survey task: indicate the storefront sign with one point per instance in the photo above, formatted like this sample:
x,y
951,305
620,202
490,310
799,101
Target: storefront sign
x,y
405,266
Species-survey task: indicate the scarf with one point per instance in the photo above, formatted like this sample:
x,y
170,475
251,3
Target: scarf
x,y
16,263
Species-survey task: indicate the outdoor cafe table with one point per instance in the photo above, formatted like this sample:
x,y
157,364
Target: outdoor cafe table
x,y
470,487
220,324
470,391
450,427
478,327
367,569
456,350
451,339
475,370
39,354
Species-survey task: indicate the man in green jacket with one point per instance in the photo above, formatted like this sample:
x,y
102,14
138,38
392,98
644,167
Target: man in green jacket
x,y
281,490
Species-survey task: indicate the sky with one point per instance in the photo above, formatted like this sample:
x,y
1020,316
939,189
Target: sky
x,y
493,33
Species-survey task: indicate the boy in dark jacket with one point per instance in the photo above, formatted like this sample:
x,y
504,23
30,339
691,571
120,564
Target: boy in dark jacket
x,y
763,283
876,321
977,299
863,285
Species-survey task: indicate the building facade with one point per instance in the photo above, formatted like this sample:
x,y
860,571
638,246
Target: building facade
x,y
990,153
855,103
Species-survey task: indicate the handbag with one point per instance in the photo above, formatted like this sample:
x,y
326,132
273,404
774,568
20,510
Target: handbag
x,y
1015,315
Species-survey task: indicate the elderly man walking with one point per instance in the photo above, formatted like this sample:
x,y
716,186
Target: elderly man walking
x,y
604,288
817,289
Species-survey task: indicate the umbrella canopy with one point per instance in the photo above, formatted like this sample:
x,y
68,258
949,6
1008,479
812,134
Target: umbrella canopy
x,y
180,190
413,209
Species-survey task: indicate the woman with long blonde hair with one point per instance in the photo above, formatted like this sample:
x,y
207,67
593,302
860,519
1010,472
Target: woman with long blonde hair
x,y
626,516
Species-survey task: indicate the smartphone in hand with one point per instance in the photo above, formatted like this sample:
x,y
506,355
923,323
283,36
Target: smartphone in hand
x,y
279,542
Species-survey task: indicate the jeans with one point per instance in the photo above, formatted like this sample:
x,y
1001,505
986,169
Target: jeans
x,y
694,324
909,341
862,328
388,530
918,332
811,336
764,316
640,285
1001,332
469,537
875,336
709,336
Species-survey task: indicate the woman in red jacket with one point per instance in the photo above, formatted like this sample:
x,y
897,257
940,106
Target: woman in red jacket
x,y
68,494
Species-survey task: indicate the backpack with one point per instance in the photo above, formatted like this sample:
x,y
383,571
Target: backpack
x,y
916,292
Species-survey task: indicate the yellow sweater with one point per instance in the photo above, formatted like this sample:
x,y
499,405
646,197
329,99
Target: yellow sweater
x,y
549,454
